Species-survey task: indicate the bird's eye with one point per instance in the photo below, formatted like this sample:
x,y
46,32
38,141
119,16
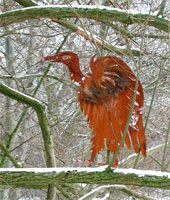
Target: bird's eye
x,y
66,57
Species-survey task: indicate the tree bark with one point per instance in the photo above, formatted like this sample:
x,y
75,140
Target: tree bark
x,y
43,121
92,12
36,178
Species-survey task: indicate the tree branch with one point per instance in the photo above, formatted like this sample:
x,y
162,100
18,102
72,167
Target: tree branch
x,y
7,153
97,40
91,12
122,188
26,3
43,121
162,8
36,178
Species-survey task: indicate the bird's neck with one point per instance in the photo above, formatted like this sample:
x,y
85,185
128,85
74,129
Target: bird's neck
x,y
75,73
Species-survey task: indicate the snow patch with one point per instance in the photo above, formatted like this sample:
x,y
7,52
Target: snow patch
x,y
139,173
142,173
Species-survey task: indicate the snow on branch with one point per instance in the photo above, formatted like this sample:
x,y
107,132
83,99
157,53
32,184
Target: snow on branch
x,y
39,178
122,188
98,13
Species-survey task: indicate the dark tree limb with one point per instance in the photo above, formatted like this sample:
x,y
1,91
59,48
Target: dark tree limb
x,y
26,3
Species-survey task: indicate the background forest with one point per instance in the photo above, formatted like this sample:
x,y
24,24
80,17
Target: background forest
x,y
144,48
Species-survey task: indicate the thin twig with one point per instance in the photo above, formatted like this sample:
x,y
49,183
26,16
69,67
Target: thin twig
x,y
165,147
122,188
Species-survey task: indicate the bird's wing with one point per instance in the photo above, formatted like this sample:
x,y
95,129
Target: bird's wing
x,y
109,112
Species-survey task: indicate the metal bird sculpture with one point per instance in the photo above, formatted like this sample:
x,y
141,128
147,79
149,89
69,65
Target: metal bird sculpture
x,y
105,95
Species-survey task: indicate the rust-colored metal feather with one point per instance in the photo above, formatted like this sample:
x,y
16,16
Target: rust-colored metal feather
x,y
105,97
116,83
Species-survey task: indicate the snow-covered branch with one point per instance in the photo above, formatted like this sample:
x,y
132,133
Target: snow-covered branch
x,y
98,13
38,178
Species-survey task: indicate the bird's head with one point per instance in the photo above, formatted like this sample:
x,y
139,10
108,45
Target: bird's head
x,y
67,58
71,60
